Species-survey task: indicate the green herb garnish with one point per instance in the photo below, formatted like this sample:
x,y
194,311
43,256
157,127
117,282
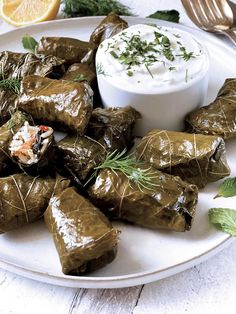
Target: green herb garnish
x,y
223,219
12,85
140,52
130,73
136,52
168,54
29,43
185,55
75,8
227,188
114,55
100,70
166,15
130,167
80,78
165,42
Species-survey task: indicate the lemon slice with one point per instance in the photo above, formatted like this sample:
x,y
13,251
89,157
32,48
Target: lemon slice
x,y
24,12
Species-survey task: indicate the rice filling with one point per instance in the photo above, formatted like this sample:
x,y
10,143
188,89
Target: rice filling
x,y
30,142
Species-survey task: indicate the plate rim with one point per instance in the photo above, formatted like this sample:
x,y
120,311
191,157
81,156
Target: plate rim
x,y
139,277
114,281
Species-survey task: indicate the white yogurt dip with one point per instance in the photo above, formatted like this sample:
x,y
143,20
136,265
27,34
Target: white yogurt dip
x,y
147,58
154,69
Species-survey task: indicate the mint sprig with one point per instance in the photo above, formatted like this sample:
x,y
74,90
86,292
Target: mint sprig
x,y
166,15
223,219
227,188
29,43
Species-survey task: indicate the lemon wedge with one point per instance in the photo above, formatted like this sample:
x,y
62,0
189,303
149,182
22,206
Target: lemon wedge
x,y
25,12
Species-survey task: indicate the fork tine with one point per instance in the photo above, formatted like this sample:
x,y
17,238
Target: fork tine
x,y
211,10
190,10
211,15
217,14
217,6
224,8
200,13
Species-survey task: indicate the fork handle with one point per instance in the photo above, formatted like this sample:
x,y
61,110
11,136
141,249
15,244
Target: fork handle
x,y
230,33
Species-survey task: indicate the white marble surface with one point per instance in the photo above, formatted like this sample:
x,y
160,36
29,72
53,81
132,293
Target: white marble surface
x,y
208,288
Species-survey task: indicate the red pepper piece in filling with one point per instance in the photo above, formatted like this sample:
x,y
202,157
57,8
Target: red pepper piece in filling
x,y
43,128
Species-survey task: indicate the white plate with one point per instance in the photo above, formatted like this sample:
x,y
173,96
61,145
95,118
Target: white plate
x,y
144,255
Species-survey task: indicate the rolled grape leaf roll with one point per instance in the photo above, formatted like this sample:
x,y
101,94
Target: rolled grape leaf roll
x,y
113,127
80,72
111,25
14,67
8,104
18,65
170,204
79,155
219,117
64,104
196,158
69,49
84,238
25,198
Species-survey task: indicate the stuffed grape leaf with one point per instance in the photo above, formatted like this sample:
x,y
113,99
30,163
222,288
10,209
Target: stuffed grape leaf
x,y
84,238
64,104
25,198
111,25
169,205
196,158
218,118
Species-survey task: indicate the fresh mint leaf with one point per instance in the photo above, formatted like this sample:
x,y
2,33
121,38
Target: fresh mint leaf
x,y
223,219
166,15
29,43
227,188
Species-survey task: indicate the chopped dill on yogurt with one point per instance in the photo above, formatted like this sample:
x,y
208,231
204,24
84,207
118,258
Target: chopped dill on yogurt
x,y
150,57
138,52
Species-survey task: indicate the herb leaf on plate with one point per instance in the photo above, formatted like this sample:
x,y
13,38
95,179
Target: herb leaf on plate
x,y
227,188
29,43
74,8
223,219
166,15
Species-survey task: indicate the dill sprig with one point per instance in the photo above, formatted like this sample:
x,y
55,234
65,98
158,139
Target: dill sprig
x,y
185,55
75,8
100,70
130,167
10,84
137,52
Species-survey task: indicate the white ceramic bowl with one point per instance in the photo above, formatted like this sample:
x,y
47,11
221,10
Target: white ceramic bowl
x,y
163,108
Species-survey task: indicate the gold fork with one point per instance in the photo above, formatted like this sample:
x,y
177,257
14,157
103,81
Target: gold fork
x,y
213,16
